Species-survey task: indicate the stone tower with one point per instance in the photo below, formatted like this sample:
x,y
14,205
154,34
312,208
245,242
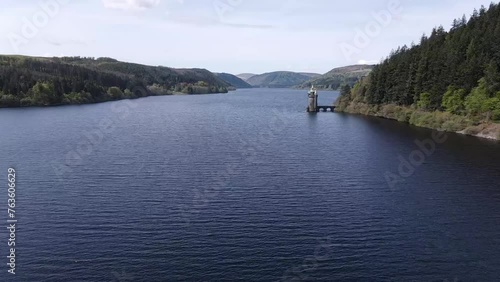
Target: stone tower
x,y
313,100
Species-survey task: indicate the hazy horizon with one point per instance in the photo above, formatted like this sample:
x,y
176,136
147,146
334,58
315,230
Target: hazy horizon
x,y
232,36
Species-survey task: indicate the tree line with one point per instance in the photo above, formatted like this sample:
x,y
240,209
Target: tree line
x,y
29,81
455,71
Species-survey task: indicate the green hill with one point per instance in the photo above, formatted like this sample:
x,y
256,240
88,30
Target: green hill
x,y
280,79
449,81
233,80
337,77
310,74
37,81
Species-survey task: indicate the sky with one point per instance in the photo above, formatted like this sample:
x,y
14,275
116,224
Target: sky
x,y
234,36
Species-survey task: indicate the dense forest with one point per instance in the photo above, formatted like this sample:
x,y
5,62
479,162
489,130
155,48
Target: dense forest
x,y
455,71
30,81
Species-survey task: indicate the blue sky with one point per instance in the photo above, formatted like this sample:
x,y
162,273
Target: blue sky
x,y
224,35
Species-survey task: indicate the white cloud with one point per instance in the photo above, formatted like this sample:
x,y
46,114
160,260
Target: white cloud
x,y
130,4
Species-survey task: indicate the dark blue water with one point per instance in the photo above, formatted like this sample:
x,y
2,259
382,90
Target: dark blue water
x,y
244,186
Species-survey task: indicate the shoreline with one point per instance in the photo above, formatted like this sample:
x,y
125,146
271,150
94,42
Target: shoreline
x,y
108,101
439,121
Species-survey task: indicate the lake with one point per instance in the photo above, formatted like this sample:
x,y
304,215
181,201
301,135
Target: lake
x,y
245,186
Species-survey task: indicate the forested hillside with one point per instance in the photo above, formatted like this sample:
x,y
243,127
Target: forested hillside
x,y
454,71
30,81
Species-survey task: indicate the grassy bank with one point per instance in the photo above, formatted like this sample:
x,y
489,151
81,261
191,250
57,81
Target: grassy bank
x,y
438,120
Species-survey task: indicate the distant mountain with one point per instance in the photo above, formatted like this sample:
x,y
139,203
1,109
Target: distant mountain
x,y
279,79
311,75
245,76
233,80
339,76
40,81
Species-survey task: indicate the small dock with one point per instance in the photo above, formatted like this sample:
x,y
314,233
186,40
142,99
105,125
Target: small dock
x,y
313,103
